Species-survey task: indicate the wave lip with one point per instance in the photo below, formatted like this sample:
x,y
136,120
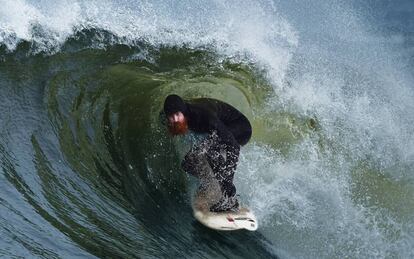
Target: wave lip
x,y
233,28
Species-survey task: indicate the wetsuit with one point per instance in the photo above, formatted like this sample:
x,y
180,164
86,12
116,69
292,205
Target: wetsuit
x,y
227,129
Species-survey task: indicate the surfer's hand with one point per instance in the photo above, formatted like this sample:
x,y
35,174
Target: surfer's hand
x,y
195,163
189,164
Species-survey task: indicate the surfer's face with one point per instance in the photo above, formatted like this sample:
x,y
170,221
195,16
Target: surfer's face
x,y
177,123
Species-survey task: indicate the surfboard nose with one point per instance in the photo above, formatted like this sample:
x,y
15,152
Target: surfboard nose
x,y
249,223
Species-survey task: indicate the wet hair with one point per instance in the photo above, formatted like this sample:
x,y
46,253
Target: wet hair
x,y
174,103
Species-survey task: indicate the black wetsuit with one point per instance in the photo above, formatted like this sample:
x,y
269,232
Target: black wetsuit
x,y
228,129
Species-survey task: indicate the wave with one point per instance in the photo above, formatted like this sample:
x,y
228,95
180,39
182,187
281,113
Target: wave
x,y
86,159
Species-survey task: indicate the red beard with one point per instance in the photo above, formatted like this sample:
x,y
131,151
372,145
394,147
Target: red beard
x,y
178,128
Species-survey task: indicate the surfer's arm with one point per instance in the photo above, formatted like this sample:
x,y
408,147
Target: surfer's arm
x,y
194,160
190,164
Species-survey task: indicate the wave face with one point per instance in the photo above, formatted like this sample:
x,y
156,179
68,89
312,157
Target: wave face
x,y
88,169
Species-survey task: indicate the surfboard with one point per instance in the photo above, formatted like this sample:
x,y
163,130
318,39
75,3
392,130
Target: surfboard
x,y
242,219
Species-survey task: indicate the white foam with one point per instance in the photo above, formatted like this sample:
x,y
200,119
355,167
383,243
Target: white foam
x,y
234,26
306,207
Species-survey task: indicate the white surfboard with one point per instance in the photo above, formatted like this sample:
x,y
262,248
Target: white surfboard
x,y
243,219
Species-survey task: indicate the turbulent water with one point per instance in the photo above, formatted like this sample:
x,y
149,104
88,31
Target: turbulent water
x,y
88,170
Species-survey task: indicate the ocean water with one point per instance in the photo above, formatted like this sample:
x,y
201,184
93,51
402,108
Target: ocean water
x,y
88,170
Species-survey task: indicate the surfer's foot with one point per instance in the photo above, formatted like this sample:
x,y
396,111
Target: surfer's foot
x,y
226,204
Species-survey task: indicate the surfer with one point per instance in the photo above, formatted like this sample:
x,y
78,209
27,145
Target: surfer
x,y
227,129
